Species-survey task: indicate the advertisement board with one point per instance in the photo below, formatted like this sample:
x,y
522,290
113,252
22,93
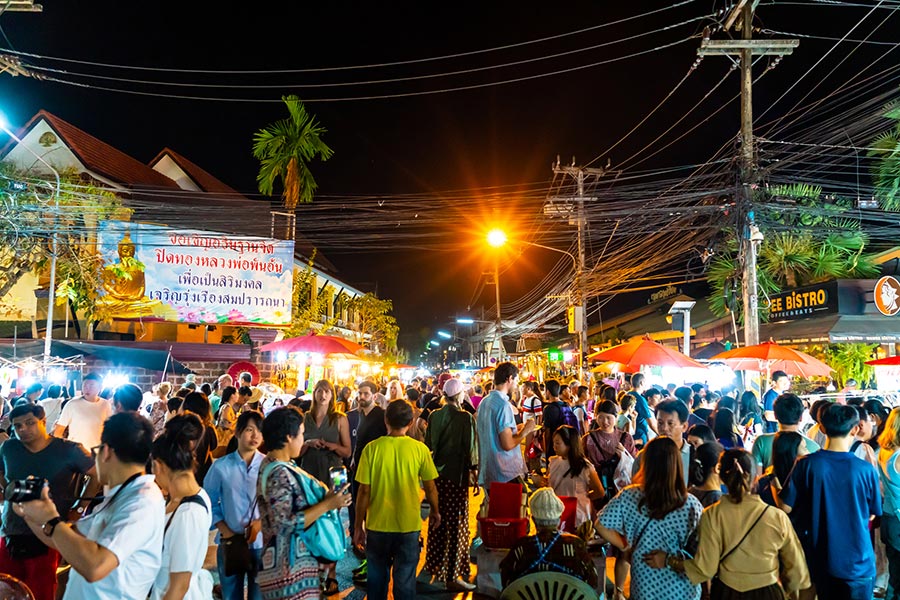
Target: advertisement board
x,y
194,276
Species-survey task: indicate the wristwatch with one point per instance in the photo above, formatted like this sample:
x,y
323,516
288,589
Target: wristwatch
x,y
50,526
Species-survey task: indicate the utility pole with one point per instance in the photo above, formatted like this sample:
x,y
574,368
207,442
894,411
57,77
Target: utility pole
x,y
498,335
746,48
579,174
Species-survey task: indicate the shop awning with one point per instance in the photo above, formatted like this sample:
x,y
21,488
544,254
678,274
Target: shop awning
x,y
869,329
152,360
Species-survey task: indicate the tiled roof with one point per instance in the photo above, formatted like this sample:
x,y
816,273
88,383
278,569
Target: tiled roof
x,y
101,158
204,180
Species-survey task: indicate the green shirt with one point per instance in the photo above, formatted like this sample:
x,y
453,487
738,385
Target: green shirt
x,y
762,448
451,438
392,466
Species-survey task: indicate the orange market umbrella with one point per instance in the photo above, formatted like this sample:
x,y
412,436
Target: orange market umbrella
x,y
320,344
770,356
645,351
400,367
484,370
890,360
611,365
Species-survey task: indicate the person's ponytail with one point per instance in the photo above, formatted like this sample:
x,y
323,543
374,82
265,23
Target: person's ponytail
x,y
737,470
175,446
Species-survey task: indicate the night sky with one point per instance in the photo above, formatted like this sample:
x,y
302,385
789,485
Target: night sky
x,y
491,136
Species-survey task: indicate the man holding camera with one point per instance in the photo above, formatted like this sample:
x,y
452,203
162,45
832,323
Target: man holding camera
x,y
116,550
34,453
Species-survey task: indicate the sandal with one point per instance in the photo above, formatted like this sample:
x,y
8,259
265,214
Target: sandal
x,y
331,587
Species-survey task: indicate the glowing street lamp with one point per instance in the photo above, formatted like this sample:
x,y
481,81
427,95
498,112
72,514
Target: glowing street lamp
x,y
445,335
496,238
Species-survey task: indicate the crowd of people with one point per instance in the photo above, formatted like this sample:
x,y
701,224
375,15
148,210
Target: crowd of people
x,y
692,492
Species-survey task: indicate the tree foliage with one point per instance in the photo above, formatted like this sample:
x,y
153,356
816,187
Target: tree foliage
x,y
849,362
307,308
377,327
886,168
28,218
795,252
285,149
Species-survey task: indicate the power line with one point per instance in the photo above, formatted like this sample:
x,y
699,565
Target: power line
x,y
364,66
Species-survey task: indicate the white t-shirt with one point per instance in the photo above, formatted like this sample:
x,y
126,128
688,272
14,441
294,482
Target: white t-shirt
x,y
184,549
132,529
85,420
52,409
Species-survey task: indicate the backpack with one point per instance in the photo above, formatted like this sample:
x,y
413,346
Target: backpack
x,y
566,415
325,538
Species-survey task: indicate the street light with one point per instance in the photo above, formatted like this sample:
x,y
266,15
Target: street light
x,y
445,335
435,343
683,307
48,335
465,320
497,238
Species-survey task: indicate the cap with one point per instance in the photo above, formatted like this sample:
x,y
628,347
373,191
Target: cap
x,y
452,387
545,505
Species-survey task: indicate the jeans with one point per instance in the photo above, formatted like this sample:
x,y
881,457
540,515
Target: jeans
x,y
233,585
397,550
831,588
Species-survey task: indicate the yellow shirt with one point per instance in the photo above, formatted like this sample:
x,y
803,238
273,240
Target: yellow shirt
x,y
755,563
392,466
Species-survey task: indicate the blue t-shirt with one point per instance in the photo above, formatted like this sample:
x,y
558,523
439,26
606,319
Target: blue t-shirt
x,y
496,464
641,428
769,404
831,495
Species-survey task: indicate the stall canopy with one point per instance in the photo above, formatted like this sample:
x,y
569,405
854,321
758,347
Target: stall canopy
x,y
152,360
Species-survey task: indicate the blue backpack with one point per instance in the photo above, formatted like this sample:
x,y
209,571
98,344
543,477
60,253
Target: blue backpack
x,y
325,538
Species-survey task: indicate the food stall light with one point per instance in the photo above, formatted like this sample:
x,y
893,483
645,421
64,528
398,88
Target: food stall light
x,y
114,380
316,359
25,381
364,369
280,356
567,356
57,376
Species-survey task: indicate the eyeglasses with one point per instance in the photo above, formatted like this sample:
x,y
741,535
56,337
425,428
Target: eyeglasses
x,y
96,450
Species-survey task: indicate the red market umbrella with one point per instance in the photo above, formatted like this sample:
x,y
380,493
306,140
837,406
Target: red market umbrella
x,y
401,367
320,344
645,351
890,360
770,356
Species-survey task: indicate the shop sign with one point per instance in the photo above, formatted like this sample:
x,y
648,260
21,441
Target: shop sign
x,y
804,302
193,276
887,296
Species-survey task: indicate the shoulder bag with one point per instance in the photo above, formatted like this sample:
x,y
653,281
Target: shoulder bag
x,y
325,538
238,556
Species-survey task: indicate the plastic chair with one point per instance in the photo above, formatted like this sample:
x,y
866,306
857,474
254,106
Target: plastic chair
x,y
13,589
570,510
549,586
505,501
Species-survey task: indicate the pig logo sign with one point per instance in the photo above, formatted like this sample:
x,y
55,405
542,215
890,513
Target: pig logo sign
x,y
887,296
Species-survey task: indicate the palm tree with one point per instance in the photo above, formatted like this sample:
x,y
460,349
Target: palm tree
x,y
285,149
886,170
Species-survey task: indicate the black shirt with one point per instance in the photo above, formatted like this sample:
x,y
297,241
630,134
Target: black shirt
x,y
371,427
433,405
61,463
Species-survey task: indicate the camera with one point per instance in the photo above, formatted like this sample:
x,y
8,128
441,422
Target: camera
x,y
25,490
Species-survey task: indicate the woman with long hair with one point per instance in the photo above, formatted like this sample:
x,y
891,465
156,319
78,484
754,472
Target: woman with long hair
x,y
327,434
283,507
198,404
451,437
655,512
395,391
787,447
570,473
745,546
889,468
188,513
343,400
724,430
751,418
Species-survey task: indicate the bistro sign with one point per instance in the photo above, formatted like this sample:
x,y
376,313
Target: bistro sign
x,y
803,302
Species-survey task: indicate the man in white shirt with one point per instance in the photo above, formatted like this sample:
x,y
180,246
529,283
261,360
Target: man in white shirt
x,y
85,415
116,551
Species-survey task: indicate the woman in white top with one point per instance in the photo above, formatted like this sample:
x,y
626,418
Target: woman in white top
x,y
571,474
188,514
